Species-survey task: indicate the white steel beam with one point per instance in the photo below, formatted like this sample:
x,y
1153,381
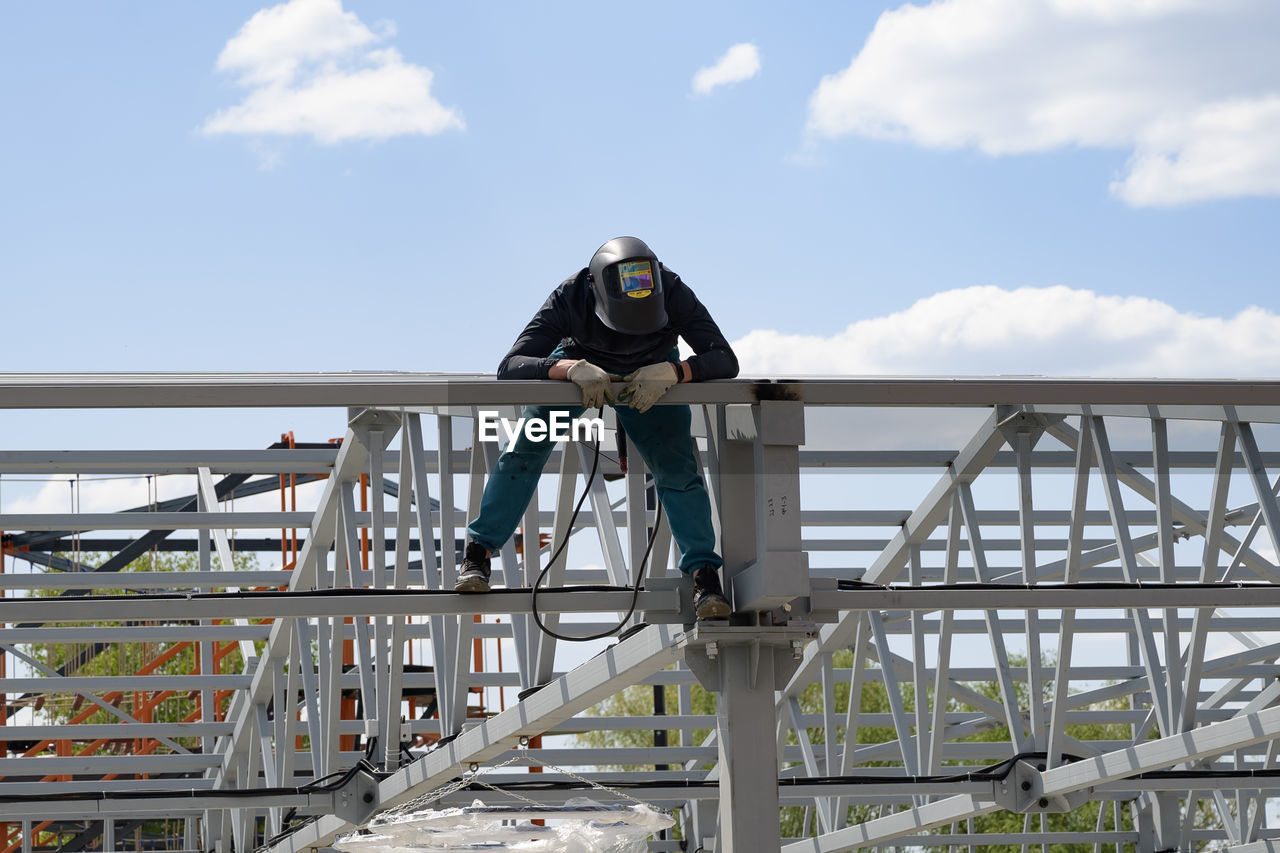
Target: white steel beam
x,y
873,618
1193,521
323,531
663,599
1174,398
930,513
1066,633
154,521
646,652
912,820
131,462
1204,742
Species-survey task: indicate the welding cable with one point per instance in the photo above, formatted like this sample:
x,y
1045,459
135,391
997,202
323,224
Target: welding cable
x,y
983,773
317,786
853,585
640,574
994,772
843,585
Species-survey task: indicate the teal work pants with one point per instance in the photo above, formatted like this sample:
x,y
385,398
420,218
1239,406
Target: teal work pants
x,y
662,437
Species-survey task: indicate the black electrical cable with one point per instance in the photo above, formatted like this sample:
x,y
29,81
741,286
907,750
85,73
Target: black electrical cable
x,y
987,773
640,573
844,585
362,764
854,585
984,773
313,787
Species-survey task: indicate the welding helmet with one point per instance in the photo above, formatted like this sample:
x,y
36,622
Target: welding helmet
x,y
627,281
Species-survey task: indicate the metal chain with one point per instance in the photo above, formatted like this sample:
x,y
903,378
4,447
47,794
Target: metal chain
x,y
472,776
518,796
524,753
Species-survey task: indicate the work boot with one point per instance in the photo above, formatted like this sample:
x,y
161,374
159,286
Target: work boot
x,y
708,598
475,571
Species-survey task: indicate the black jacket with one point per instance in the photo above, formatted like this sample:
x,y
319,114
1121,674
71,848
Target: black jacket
x,y
569,318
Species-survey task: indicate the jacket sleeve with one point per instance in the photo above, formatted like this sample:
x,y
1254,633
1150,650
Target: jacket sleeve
x,y
529,355
713,357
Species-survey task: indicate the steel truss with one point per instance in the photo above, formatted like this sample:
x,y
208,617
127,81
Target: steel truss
x,y
1076,614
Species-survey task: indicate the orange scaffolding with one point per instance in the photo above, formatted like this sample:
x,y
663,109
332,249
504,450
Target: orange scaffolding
x,y
143,704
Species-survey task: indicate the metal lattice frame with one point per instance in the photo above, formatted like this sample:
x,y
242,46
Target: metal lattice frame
x,y
930,600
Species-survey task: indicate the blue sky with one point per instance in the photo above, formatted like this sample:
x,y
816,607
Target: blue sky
x,y
137,238
989,186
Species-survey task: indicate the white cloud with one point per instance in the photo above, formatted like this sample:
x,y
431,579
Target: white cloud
x,y
275,41
1054,331
1192,87
740,62
1230,148
312,68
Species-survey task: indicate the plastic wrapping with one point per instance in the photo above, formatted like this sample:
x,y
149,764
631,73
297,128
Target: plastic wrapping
x,y
581,825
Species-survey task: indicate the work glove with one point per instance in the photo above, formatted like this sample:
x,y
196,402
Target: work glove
x,y
593,381
647,385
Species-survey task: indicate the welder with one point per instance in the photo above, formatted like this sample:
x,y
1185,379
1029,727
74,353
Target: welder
x,y
617,319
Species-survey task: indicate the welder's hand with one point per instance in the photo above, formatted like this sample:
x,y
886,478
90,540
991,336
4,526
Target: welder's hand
x,y
647,385
593,381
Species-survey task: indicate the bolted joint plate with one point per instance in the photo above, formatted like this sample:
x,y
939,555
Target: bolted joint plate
x,y
370,418
1013,420
682,585
780,578
779,647
1022,791
364,421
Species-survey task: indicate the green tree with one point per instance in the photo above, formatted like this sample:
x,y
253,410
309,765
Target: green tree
x,y
124,658
1082,819
638,700
1085,818
113,659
